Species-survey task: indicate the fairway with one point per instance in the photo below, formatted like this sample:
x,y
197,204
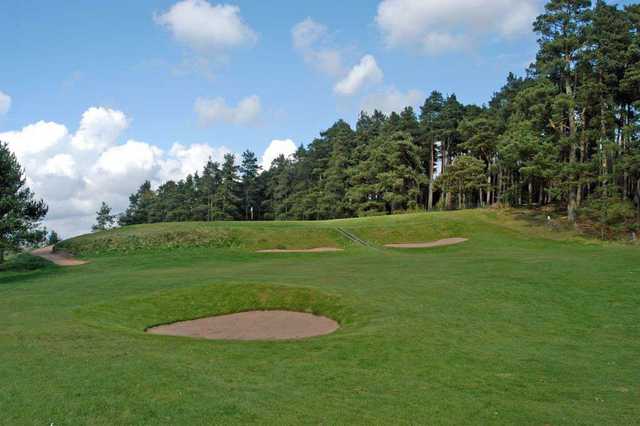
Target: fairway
x,y
517,325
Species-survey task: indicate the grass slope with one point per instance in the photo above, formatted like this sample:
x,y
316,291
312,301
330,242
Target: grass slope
x,y
510,327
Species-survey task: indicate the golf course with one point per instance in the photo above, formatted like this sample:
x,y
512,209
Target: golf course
x,y
518,323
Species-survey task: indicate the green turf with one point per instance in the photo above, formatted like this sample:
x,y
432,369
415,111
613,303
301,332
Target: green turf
x,y
515,326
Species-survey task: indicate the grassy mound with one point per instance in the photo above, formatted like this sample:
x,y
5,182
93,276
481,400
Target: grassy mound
x,y
139,313
411,228
251,236
248,236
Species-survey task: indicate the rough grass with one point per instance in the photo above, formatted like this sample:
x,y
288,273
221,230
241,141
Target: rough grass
x,y
511,327
25,262
164,236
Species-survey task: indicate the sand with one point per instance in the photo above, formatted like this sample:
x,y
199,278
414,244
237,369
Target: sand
x,y
253,325
313,250
439,243
59,258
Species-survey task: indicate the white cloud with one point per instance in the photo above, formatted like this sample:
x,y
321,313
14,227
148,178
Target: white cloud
x,y
60,165
133,155
207,28
99,129
5,103
35,138
365,73
437,26
186,159
275,149
392,100
75,172
311,39
211,111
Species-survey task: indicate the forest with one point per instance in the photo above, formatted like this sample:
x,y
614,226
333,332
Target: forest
x,y
564,134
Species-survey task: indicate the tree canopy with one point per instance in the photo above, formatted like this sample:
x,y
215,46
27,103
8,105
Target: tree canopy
x,y
20,212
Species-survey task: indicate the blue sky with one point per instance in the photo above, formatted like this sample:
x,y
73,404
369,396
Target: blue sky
x,y
146,61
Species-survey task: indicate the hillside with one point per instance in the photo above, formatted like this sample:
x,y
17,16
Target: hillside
x,y
252,236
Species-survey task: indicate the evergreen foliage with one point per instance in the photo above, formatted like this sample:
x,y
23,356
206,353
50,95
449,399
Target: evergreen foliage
x,y
20,213
104,219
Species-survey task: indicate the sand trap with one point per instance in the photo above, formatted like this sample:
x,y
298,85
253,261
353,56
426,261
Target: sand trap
x,y
313,250
253,325
59,258
439,243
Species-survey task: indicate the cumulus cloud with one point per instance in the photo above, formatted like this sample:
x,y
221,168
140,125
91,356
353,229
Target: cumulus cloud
x,y
365,73
275,149
35,138
311,40
392,100
5,103
205,27
441,26
75,172
99,129
216,110
183,160
60,165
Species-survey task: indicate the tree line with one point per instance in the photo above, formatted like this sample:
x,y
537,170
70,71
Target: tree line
x,y
565,133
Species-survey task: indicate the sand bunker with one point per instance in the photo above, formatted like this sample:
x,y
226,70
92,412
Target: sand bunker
x,y
439,243
253,325
59,258
313,250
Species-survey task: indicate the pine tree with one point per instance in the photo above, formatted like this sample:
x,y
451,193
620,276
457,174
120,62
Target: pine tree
x,y
249,169
562,41
20,213
141,206
53,238
104,219
226,205
429,122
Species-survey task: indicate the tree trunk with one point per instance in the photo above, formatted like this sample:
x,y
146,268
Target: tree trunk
x,y
541,195
430,201
571,206
500,185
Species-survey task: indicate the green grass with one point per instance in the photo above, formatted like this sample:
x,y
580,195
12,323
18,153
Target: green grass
x,y
515,326
242,235
25,262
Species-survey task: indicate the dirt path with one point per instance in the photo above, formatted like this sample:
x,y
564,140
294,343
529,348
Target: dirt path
x,y
439,243
313,250
254,325
59,258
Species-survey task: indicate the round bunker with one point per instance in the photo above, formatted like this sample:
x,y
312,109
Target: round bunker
x,y
252,325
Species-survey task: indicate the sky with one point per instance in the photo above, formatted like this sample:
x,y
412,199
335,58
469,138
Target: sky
x,y
96,97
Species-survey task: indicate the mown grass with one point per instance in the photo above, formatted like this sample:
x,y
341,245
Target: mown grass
x,y
511,327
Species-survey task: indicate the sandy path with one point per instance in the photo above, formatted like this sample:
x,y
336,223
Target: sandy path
x,y
254,325
439,243
313,250
59,258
